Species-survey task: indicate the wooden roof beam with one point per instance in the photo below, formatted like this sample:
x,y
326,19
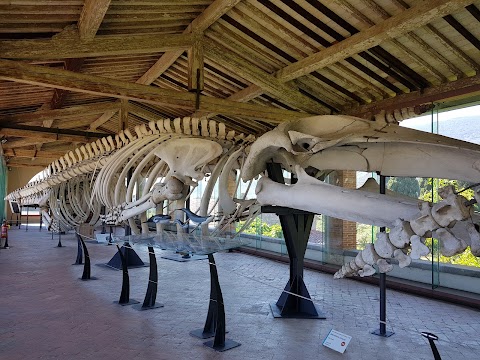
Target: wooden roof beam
x,y
63,79
69,45
408,20
60,114
441,92
32,153
16,143
41,163
41,133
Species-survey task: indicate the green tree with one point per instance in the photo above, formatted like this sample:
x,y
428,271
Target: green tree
x,y
404,185
426,194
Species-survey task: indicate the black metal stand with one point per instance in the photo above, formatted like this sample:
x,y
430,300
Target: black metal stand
x,y
215,323
59,238
382,331
110,239
26,225
431,337
151,295
79,259
125,293
295,301
41,222
104,224
86,266
5,246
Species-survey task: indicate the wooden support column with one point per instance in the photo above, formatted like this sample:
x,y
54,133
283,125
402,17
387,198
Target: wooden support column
x,y
195,65
123,118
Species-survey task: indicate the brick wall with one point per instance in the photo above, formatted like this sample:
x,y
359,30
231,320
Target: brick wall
x,y
343,234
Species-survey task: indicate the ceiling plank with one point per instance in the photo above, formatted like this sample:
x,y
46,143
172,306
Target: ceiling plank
x,y
408,20
91,18
267,82
200,24
59,114
70,46
58,78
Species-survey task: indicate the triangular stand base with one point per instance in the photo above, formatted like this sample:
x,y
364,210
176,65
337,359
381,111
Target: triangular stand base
x,y
229,344
201,334
277,313
130,302
379,333
131,257
90,278
140,307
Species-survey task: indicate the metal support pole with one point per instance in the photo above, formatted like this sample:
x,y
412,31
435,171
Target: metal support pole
x,y
128,230
41,221
125,293
431,337
382,331
59,238
26,226
104,224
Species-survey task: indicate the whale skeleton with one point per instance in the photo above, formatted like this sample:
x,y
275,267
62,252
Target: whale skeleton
x,y
318,145
169,158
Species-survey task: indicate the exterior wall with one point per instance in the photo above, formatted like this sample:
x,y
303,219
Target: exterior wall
x,y
18,177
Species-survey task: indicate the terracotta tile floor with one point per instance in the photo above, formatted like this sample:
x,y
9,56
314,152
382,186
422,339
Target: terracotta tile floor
x,y
46,312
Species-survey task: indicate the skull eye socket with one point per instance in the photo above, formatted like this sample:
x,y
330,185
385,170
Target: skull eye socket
x,y
304,146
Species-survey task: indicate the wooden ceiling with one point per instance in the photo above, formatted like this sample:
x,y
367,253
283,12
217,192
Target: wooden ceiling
x,y
73,70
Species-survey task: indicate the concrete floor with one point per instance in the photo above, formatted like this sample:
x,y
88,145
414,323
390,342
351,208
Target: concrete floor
x,y
46,312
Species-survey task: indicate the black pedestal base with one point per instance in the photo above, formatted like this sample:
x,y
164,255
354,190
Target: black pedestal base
x,y
201,334
384,334
227,345
180,258
114,268
277,313
90,278
130,302
140,307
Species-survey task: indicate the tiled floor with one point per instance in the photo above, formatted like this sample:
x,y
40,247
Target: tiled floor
x,y
46,312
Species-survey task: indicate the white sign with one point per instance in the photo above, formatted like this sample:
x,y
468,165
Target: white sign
x,y
337,341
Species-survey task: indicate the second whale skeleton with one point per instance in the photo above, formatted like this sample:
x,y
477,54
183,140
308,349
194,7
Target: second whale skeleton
x,y
174,155
168,157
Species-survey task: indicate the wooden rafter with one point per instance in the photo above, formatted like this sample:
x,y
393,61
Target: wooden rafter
x,y
91,18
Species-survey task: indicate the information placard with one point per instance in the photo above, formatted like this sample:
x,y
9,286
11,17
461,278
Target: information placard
x,y
337,341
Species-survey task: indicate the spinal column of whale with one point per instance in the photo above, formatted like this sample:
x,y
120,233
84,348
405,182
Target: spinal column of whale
x,y
169,156
321,144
